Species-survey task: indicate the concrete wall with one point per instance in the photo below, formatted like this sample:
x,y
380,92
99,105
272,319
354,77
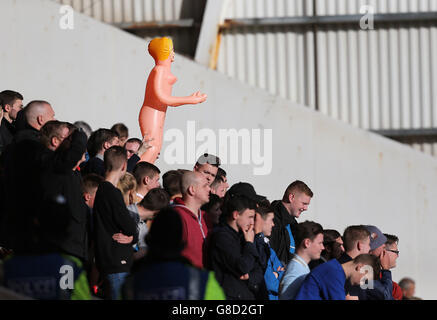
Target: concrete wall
x,y
98,73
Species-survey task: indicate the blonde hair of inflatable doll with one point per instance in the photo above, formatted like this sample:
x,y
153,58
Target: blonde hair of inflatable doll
x,y
160,48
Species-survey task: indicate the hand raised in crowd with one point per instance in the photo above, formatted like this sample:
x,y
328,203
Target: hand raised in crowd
x,y
385,260
123,239
349,297
259,224
145,145
249,234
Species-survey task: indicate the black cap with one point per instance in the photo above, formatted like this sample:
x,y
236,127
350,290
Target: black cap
x,y
246,190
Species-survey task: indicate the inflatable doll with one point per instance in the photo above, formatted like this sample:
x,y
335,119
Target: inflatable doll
x,y
158,97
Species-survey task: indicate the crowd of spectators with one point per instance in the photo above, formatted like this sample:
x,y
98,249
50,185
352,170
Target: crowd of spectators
x,y
81,218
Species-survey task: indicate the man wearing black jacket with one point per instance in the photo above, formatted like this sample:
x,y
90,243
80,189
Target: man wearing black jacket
x,y
111,216
11,103
296,200
65,220
232,253
22,163
99,141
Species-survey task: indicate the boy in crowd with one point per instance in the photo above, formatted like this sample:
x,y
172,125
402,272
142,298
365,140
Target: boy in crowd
x,y
147,176
327,281
122,132
213,211
309,243
232,253
132,146
99,141
111,216
90,183
171,182
155,200
220,184
356,241
273,268
333,244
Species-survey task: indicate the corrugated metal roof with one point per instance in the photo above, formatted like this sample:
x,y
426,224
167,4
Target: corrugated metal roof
x,y
384,78
151,15
119,11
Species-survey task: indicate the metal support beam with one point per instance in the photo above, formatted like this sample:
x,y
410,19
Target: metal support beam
x,y
410,135
183,23
310,21
209,39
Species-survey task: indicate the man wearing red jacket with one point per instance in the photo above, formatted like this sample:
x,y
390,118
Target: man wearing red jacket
x,y
195,193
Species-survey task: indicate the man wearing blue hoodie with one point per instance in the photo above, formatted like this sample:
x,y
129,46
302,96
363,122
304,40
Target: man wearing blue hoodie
x,y
326,282
272,266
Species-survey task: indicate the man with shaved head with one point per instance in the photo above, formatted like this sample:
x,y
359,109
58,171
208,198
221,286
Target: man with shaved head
x,y
38,112
23,163
195,193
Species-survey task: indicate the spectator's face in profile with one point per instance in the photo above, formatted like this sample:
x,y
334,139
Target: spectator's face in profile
x,y
246,219
208,171
408,293
268,224
299,203
113,142
220,190
58,139
225,181
131,148
316,247
215,213
122,141
392,255
154,181
16,106
337,248
110,143
90,197
48,115
365,245
202,190
359,275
